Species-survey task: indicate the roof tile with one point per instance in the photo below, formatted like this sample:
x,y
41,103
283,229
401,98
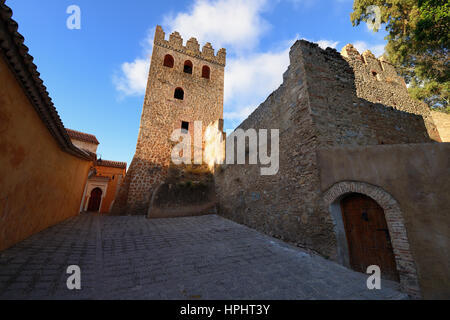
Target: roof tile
x,y
110,163
78,135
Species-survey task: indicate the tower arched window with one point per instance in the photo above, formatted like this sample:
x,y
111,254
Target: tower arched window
x,y
179,94
206,72
188,66
168,61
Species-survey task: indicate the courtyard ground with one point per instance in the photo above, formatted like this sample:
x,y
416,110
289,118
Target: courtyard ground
x,y
206,257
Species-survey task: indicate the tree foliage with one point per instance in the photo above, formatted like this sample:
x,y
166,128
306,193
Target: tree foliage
x,y
418,43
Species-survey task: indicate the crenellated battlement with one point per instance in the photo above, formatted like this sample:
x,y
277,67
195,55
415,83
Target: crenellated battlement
x,y
377,81
192,47
379,69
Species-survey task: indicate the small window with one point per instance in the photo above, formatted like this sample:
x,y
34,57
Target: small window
x,y
205,72
188,67
179,94
184,126
168,61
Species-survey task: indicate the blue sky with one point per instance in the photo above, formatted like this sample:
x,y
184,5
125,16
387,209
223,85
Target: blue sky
x,y
96,76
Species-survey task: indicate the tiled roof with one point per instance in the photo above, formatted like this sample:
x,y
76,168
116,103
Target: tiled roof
x,y
20,62
110,163
73,134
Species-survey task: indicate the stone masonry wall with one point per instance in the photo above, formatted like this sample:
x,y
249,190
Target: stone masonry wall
x,y
342,117
377,81
315,107
162,113
281,205
442,122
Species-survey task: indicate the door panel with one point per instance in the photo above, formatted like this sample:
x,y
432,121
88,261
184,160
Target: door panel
x,y
368,236
95,200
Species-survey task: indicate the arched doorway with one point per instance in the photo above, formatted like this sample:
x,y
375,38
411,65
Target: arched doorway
x,y
95,199
393,215
369,242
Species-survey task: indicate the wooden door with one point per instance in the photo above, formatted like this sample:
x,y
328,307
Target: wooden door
x,y
95,199
368,237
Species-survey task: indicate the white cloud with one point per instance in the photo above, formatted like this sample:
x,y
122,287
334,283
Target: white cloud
x,y
327,43
255,74
235,24
260,73
131,80
239,114
323,43
250,79
377,49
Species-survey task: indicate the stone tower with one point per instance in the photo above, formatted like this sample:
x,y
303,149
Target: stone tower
x,y
184,85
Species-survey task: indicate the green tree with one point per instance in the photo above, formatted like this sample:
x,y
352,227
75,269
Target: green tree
x,y
418,44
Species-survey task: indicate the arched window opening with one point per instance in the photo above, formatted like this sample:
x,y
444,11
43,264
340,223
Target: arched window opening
x,y
179,94
188,66
206,72
168,61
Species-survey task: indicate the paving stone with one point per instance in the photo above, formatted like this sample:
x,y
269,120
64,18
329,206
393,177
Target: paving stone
x,y
193,258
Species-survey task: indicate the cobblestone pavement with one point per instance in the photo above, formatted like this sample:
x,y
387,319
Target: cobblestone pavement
x,y
205,257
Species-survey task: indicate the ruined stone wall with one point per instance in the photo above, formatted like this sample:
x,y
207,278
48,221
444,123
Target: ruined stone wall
x,y
315,107
162,113
442,122
377,81
281,205
342,117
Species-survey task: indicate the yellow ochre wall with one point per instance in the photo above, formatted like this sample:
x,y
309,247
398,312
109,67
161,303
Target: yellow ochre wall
x,y
40,185
113,184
